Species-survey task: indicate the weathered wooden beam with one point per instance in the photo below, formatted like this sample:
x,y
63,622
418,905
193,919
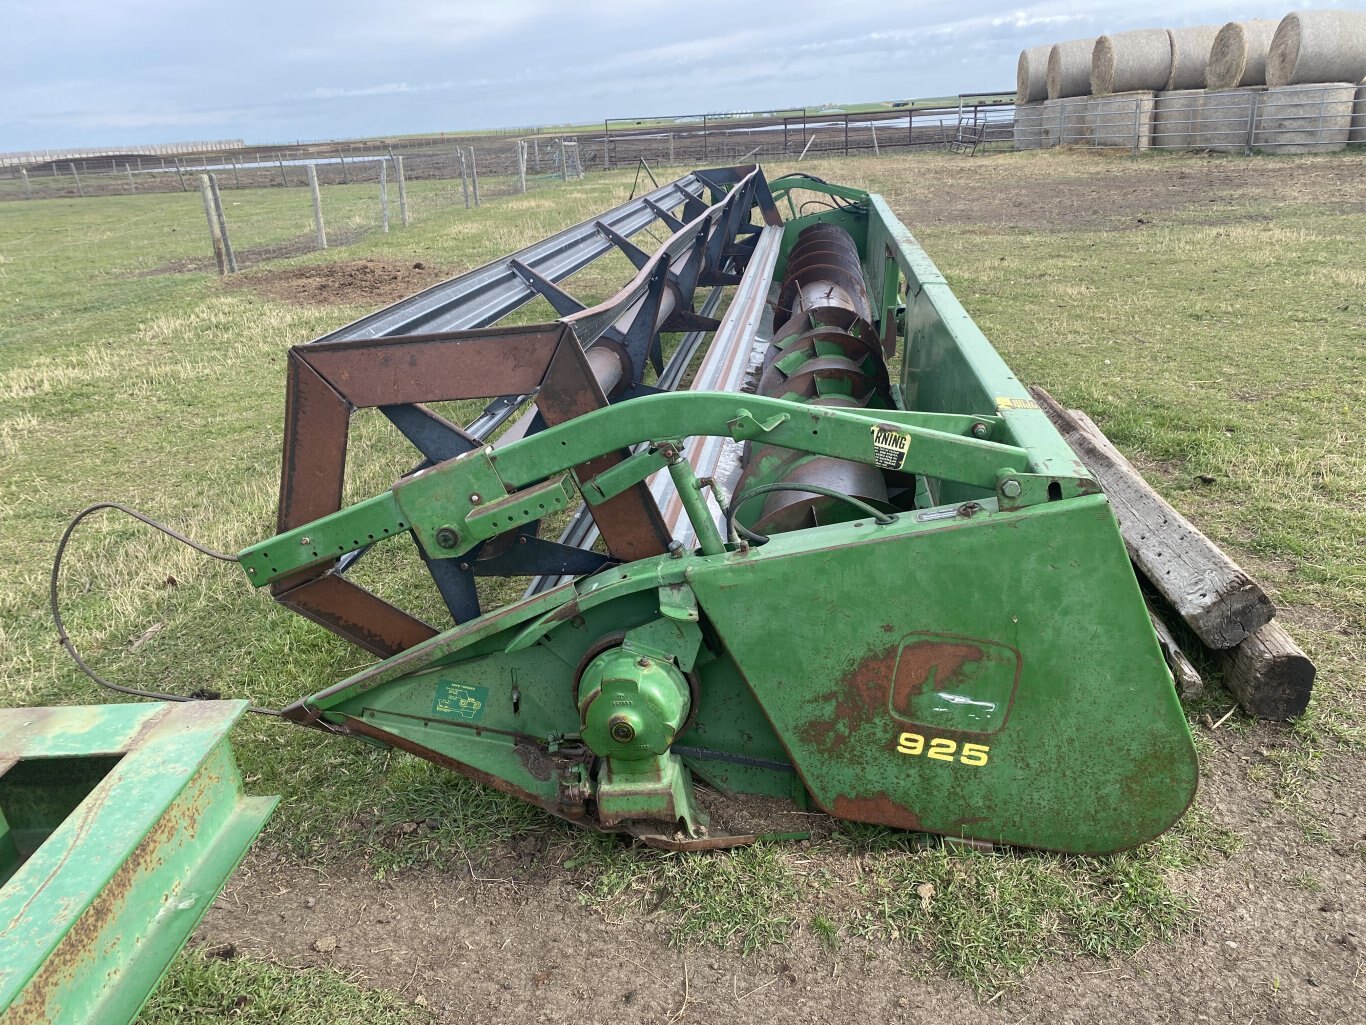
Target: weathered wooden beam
x,y
1189,685
1220,602
1269,674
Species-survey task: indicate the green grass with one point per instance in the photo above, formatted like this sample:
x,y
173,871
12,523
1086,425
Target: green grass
x,y
1223,343
199,990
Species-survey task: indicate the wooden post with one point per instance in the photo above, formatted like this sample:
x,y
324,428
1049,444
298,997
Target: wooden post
x,y
180,173
236,181
564,162
671,148
283,179
384,194
873,128
346,175
536,153
1189,686
474,176
214,233
28,185
464,176
317,206
607,145
1269,674
521,164
129,170
810,139
222,225
79,191
402,192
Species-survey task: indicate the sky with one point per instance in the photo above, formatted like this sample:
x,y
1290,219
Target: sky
x,y
77,73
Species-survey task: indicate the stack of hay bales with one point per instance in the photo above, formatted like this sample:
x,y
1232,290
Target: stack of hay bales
x,y
1292,86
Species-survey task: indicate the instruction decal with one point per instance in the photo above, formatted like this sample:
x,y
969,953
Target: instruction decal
x,y
462,701
889,447
1006,402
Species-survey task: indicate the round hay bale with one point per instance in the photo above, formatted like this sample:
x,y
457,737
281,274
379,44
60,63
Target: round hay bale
x,y
1190,56
1238,55
1227,118
1357,133
1121,120
1312,118
1318,46
1069,68
1029,126
1031,74
1066,122
1131,61
1176,117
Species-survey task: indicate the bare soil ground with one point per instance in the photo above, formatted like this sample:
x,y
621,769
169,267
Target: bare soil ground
x,y
374,283
1281,932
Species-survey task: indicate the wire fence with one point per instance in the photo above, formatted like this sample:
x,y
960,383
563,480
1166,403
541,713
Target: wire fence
x,y
1322,118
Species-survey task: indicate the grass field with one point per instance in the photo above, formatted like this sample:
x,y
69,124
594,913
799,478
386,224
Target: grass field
x,y
1219,344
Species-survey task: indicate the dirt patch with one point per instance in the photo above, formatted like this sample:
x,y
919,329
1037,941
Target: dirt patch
x,y
373,283
1281,938
1072,191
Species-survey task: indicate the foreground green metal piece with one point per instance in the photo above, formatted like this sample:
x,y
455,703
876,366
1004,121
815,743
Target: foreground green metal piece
x,y
122,823
977,662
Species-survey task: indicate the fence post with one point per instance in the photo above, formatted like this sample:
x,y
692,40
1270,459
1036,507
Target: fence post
x,y
28,185
79,191
873,128
704,136
536,153
283,179
464,176
1138,104
474,176
671,148
607,146
346,175
236,181
222,224
384,193
214,234
521,164
129,170
180,173
564,162
402,192
317,206
846,135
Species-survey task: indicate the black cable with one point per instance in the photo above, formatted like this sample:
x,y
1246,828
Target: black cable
x,y
65,638
816,489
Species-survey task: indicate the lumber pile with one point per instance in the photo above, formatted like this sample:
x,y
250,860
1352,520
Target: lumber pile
x,y
1223,606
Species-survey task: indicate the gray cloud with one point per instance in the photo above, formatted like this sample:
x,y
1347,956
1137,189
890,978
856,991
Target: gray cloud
x,y
86,72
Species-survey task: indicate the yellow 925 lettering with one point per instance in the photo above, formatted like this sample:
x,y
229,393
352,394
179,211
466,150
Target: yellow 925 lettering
x,y
942,749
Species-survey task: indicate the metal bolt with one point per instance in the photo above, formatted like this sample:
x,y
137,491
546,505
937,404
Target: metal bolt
x,y
251,570
675,549
980,430
622,731
464,567
1010,488
447,537
475,499
643,662
305,541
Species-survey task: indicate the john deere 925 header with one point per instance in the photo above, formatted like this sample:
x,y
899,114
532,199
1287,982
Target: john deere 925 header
x,y
851,562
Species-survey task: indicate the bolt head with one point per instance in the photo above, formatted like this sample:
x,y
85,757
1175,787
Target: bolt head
x,y
305,541
622,731
447,537
1010,488
475,499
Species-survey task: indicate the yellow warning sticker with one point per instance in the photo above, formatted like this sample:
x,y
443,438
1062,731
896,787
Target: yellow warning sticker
x,y
1005,402
889,447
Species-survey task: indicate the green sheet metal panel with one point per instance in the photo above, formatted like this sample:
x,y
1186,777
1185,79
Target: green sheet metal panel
x,y
120,875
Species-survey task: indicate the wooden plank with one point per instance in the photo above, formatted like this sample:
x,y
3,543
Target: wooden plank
x,y
1189,685
1220,602
1269,674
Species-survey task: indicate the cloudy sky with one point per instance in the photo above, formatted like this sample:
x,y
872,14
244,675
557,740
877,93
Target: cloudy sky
x,y
113,72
